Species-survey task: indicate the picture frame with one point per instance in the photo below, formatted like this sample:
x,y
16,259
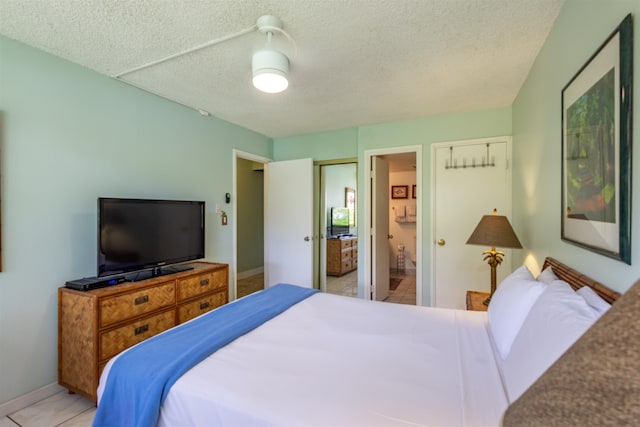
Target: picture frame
x,y
399,191
596,149
413,191
350,203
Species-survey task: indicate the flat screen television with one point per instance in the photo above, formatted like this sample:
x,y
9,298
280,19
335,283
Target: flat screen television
x,y
138,234
339,221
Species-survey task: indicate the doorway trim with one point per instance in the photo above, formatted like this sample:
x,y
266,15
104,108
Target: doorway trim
x,y
366,232
432,237
233,273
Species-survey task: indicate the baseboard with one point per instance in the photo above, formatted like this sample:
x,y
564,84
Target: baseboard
x,y
29,399
249,273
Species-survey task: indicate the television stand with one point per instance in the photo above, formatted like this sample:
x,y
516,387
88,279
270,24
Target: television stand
x,y
342,255
94,326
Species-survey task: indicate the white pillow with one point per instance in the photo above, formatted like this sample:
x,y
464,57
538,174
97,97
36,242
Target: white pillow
x,y
556,320
594,300
509,306
547,276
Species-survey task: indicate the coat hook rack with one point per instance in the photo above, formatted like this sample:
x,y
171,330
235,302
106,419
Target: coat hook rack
x,y
488,161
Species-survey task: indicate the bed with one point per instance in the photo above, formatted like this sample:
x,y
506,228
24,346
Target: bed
x,y
337,361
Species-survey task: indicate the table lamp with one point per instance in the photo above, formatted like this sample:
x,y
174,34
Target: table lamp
x,y
495,231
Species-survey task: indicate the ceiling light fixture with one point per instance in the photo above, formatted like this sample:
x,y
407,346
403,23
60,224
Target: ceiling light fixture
x,y
270,67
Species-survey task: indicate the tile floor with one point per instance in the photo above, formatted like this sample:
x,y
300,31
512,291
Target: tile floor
x,y
71,410
346,285
250,285
60,410
405,293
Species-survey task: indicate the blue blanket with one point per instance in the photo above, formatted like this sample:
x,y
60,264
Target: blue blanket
x,y
140,379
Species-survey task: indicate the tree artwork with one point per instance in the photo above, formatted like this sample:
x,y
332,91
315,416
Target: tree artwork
x,y
591,154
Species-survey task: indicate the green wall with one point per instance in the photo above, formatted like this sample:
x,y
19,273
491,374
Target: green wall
x,y
250,216
68,136
426,131
579,30
423,131
339,144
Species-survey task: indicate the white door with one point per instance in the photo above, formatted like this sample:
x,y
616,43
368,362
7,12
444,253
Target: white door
x,y
462,195
288,216
380,232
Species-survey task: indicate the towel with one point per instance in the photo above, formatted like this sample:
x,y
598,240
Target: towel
x,y
411,213
401,213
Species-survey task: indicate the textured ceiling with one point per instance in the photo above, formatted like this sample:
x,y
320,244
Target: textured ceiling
x,y
358,62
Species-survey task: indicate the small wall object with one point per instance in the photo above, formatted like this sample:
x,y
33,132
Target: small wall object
x,y
223,217
399,191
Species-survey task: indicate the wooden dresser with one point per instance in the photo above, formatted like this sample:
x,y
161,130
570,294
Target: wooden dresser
x,y
94,326
476,299
342,255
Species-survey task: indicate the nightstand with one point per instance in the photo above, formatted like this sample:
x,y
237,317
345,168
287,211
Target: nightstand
x,y
475,300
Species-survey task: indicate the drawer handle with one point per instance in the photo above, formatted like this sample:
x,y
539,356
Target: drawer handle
x,y
204,305
142,300
142,329
204,282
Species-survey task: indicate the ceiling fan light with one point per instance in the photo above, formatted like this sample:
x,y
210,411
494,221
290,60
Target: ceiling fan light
x,y
270,69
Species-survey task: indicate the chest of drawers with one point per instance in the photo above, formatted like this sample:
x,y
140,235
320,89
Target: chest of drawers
x,y
342,255
94,326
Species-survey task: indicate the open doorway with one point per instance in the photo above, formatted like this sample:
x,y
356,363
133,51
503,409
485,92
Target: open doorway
x,y
392,204
248,223
403,209
337,221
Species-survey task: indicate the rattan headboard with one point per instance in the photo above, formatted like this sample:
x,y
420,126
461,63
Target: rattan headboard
x,y
578,280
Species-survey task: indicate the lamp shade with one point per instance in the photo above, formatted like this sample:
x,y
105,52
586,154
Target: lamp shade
x,y
270,69
495,231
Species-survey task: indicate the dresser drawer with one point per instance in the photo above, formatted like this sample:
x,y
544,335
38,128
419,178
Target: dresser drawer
x,y
189,310
114,341
125,306
197,285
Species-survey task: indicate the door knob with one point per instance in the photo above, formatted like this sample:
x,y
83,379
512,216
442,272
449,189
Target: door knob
x,y
389,236
441,242
306,238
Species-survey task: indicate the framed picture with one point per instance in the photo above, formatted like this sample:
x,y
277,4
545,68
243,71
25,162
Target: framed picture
x,y
413,191
350,203
399,191
596,150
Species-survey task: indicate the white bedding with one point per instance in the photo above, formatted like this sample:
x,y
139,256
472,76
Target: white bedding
x,y
339,361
